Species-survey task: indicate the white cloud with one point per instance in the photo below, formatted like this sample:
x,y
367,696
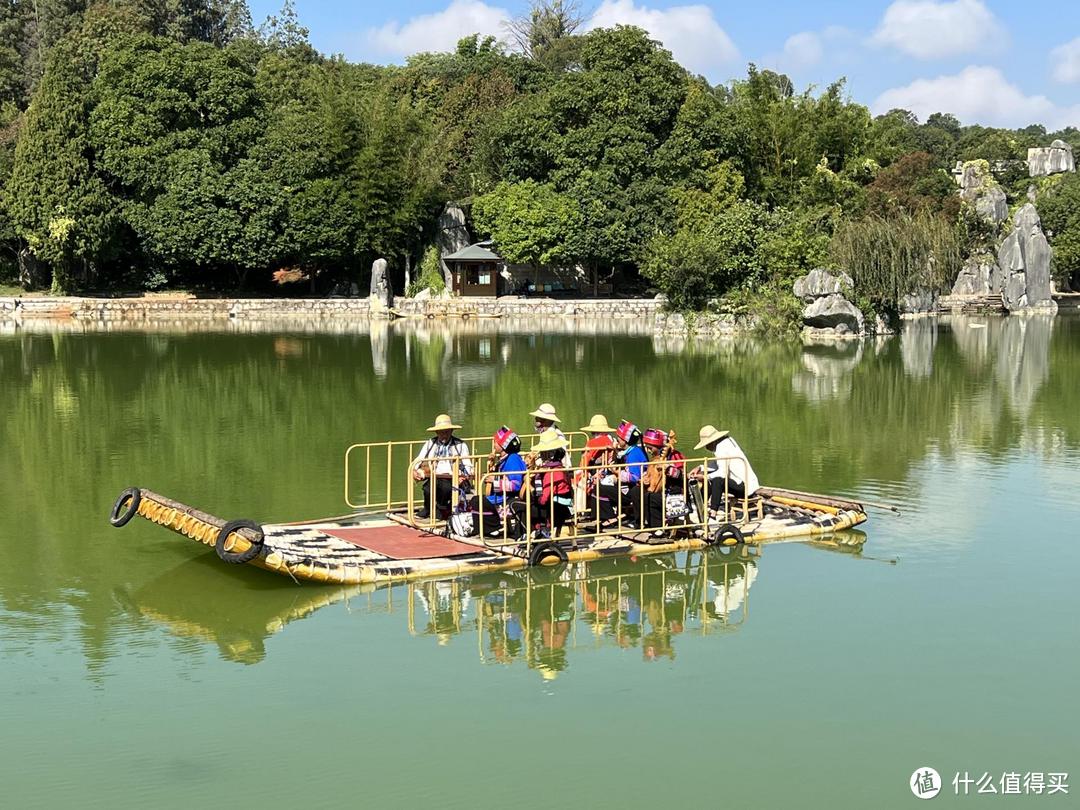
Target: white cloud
x,y
809,48
1066,59
691,33
803,50
439,31
927,29
977,95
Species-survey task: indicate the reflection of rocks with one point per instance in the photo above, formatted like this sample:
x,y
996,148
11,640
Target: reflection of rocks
x,y
917,341
1023,361
380,343
1024,262
826,371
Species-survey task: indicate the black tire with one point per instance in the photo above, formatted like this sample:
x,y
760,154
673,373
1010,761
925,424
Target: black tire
x,y
543,550
120,515
727,535
239,558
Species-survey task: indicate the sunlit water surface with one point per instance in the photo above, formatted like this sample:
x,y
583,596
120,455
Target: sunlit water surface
x,y
139,671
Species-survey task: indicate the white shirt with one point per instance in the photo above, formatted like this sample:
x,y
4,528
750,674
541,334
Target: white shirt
x,y
455,448
727,450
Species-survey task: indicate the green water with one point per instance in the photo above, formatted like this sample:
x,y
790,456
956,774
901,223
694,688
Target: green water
x,y
138,671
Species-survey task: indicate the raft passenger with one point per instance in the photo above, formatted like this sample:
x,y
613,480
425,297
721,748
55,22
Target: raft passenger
x,y
628,439
436,460
659,480
730,470
545,418
553,504
505,487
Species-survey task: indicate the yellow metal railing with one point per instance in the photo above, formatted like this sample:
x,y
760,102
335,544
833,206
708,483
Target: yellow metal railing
x,y
624,498
385,481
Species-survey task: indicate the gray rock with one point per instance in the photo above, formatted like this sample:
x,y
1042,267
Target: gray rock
x,y
820,282
424,294
831,311
452,235
976,276
918,302
979,189
1052,159
1024,263
381,289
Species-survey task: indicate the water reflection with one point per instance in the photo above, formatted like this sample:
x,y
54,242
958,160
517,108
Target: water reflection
x,y
537,618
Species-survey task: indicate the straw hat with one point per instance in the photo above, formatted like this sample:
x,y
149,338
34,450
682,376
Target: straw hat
x,y
546,411
550,440
708,435
598,424
443,422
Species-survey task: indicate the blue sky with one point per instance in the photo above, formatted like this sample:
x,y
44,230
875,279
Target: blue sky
x,y
986,61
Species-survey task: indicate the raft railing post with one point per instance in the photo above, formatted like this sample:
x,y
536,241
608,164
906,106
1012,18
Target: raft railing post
x,y
390,480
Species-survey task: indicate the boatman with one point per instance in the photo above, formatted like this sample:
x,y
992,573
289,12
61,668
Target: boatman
x,y
730,467
436,460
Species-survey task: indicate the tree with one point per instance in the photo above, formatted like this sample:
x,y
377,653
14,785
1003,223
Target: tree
x,y
57,202
1059,210
531,223
912,184
547,24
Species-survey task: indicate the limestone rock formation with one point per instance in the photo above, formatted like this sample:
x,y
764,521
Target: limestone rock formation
x,y
977,276
834,312
918,301
1052,159
820,282
1024,263
381,289
452,235
979,188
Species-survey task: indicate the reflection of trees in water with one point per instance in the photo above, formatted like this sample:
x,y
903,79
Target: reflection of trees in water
x,y
253,424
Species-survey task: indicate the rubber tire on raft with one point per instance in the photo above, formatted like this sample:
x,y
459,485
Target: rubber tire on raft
x,y
540,551
724,534
234,557
119,516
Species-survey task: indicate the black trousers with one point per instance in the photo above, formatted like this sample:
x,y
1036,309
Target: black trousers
x,y
444,491
653,513
716,492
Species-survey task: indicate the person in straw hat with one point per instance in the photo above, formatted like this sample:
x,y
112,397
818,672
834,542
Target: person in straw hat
x,y
545,418
731,469
600,443
436,460
553,495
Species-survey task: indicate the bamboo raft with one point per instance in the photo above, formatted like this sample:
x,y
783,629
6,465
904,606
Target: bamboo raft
x,y
392,547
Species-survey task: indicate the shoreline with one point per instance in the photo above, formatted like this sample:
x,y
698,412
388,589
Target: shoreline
x,y
636,315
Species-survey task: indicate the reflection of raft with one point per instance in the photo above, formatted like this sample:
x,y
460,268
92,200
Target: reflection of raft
x,y
386,550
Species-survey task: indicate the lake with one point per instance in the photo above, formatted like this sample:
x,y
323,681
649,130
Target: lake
x,y
140,671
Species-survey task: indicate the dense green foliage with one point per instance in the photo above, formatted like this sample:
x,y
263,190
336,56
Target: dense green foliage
x,y
148,143
1059,209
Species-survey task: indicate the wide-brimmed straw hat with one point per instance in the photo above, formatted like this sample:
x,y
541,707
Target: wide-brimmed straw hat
x,y
598,424
550,440
443,422
546,411
708,435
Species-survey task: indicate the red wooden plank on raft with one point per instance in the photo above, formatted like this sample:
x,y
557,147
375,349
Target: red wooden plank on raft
x,y
402,542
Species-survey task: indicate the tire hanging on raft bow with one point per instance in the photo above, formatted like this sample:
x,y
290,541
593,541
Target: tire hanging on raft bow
x,y
126,507
727,535
239,557
541,551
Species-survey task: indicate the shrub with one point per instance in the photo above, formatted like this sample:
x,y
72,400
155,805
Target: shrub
x,y
430,276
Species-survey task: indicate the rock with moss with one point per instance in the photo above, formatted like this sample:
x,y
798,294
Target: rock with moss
x,y
452,235
1024,262
981,191
381,290
1052,159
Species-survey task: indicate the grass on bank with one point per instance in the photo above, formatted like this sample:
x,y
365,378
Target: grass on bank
x,y
10,290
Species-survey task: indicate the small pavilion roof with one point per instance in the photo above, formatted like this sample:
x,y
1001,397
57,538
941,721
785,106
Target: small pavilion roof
x,y
473,253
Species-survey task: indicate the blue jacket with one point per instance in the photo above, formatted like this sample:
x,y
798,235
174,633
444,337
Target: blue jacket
x,y
514,464
635,457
